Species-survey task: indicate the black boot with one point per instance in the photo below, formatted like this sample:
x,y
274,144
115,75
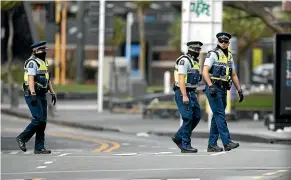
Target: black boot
x,y
176,141
42,151
230,146
21,144
187,148
214,148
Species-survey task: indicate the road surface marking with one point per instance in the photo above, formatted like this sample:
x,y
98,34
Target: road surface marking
x,y
64,154
27,152
115,146
14,152
48,162
125,154
257,177
144,170
141,145
40,167
125,144
282,171
162,153
216,154
274,172
173,148
84,138
185,179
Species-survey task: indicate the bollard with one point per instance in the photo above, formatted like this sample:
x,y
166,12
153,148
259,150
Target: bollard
x,y
14,97
167,82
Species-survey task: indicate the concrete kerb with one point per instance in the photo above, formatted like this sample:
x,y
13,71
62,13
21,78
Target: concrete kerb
x,y
57,122
200,134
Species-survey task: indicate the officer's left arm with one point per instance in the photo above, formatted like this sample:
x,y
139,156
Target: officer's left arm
x,y
235,78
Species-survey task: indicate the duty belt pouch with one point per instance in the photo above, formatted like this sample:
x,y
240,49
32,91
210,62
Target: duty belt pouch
x,y
193,77
216,71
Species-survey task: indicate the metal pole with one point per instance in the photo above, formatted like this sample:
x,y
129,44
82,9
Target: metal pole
x,y
80,43
129,21
101,54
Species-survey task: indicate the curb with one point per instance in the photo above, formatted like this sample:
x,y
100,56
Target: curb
x,y
76,125
234,136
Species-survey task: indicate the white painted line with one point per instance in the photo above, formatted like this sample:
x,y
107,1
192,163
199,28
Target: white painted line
x,y
266,150
216,154
141,146
145,170
125,154
185,179
48,162
142,134
40,167
125,144
162,153
173,148
282,171
14,152
64,154
27,152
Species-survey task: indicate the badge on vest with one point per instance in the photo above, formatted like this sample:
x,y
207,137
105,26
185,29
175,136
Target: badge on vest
x,y
182,62
229,63
30,65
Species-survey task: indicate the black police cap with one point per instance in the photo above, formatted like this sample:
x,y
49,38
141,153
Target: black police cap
x,y
194,44
223,35
39,45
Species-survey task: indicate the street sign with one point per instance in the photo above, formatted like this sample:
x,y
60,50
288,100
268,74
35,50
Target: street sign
x,y
201,21
282,83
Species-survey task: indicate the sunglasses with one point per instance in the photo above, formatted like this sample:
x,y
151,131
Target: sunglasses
x,y
223,41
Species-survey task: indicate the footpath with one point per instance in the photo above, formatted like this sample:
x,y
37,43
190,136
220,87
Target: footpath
x,y
244,130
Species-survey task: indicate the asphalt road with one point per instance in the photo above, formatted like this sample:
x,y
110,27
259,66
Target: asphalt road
x,y
82,154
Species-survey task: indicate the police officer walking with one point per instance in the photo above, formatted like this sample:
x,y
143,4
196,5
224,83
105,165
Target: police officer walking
x,y
36,84
187,76
219,73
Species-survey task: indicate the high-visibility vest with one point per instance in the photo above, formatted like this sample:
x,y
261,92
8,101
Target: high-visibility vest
x,y
42,75
221,69
193,76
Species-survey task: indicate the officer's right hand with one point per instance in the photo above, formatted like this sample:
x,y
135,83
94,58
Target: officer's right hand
x,y
33,100
185,99
212,91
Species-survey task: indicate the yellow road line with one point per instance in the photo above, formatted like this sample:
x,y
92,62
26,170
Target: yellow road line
x,y
103,143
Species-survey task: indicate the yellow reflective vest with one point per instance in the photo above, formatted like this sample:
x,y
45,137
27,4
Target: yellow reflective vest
x,y
221,69
193,76
42,75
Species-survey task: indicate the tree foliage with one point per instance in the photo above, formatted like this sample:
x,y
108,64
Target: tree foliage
x,y
175,33
119,27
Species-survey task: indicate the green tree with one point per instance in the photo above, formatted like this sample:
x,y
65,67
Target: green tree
x,y
175,33
9,7
141,7
118,38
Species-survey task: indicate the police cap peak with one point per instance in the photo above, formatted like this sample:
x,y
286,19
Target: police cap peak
x,y
38,45
223,35
195,44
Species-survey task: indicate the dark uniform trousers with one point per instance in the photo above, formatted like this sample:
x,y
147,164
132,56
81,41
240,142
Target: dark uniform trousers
x,y
190,114
218,122
38,123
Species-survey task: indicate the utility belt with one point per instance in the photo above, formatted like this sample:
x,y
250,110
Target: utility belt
x,y
188,89
222,84
39,91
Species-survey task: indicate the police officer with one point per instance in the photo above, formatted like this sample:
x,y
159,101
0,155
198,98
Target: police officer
x,y
219,73
36,84
187,76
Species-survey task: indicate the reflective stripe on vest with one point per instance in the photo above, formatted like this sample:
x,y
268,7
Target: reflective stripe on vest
x,y
220,69
42,70
192,76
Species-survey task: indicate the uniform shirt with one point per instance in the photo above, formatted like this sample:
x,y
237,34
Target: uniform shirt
x,y
212,57
31,68
183,66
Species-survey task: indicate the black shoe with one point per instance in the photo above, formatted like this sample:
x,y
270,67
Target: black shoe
x,y
177,142
214,148
43,151
189,150
21,144
230,146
